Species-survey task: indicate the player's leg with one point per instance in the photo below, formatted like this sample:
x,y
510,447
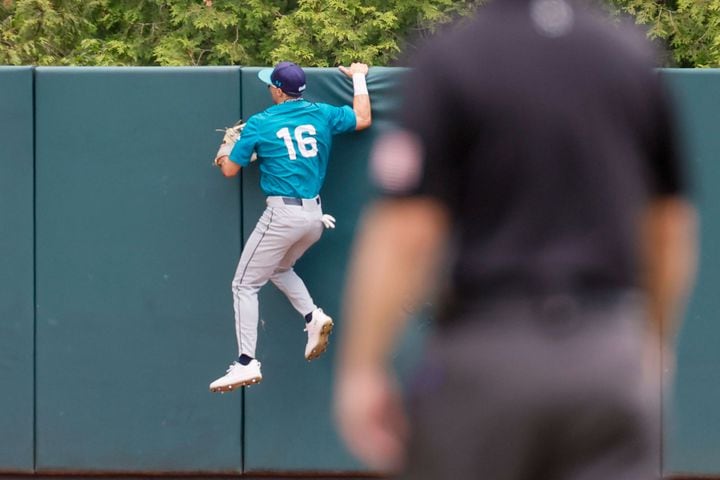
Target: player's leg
x,y
288,281
318,324
263,251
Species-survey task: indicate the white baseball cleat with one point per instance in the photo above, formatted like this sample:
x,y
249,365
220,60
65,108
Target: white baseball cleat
x,y
238,376
318,330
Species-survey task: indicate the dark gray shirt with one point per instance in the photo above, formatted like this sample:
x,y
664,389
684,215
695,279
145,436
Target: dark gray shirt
x,y
545,131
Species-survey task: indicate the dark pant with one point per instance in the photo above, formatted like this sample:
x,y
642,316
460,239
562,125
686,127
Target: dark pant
x,y
558,388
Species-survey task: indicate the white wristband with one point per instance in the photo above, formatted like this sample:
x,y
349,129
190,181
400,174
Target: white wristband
x,y
359,85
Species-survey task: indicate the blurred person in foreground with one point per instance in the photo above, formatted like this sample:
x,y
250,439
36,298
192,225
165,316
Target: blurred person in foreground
x,y
537,154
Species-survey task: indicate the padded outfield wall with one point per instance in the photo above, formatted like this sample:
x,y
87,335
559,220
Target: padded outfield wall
x,y
118,241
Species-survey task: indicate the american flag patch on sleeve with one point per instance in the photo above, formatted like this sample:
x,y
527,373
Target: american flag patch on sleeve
x,y
396,162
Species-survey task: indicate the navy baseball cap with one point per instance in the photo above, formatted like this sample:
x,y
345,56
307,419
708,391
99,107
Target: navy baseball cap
x,y
287,76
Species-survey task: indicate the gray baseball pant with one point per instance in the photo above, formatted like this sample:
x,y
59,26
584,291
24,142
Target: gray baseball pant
x,y
554,388
282,235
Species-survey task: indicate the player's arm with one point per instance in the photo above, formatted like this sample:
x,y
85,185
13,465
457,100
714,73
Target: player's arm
x,y
361,97
398,247
228,167
399,244
669,235
232,134
669,246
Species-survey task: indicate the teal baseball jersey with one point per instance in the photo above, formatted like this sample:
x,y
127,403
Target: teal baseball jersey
x,y
292,141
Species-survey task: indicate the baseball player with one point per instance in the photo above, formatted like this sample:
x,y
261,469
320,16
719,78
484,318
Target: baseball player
x,y
291,143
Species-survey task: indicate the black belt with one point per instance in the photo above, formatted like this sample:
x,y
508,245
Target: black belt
x,y
538,305
297,201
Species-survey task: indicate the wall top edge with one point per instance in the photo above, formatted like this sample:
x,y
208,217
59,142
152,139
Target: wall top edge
x,y
220,68
13,68
695,71
252,68
692,71
137,69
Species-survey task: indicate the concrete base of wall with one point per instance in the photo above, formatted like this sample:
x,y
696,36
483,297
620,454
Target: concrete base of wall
x,y
157,476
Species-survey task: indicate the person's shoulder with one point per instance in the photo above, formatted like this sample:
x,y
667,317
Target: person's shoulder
x,y
258,117
316,105
621,36
447,45
636,44
328,109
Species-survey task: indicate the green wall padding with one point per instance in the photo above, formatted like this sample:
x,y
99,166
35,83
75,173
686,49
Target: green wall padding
x,y
16,269
136,241
137,236
692,421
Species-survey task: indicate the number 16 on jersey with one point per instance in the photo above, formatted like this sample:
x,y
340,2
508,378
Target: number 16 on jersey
x,y
304,138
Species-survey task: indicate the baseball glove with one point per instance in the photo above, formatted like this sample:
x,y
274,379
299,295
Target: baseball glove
x,y
231,136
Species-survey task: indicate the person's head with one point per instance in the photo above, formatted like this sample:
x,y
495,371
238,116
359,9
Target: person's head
x,y
285,81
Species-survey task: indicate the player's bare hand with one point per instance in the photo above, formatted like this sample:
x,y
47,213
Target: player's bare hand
x,y
370,417
356,67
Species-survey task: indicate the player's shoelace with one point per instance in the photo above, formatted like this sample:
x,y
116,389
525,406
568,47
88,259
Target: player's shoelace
x,y
238,364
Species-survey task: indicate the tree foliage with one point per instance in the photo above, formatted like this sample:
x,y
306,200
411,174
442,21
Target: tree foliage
x,y
332,32
690,28
137,32
213,32
262,32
